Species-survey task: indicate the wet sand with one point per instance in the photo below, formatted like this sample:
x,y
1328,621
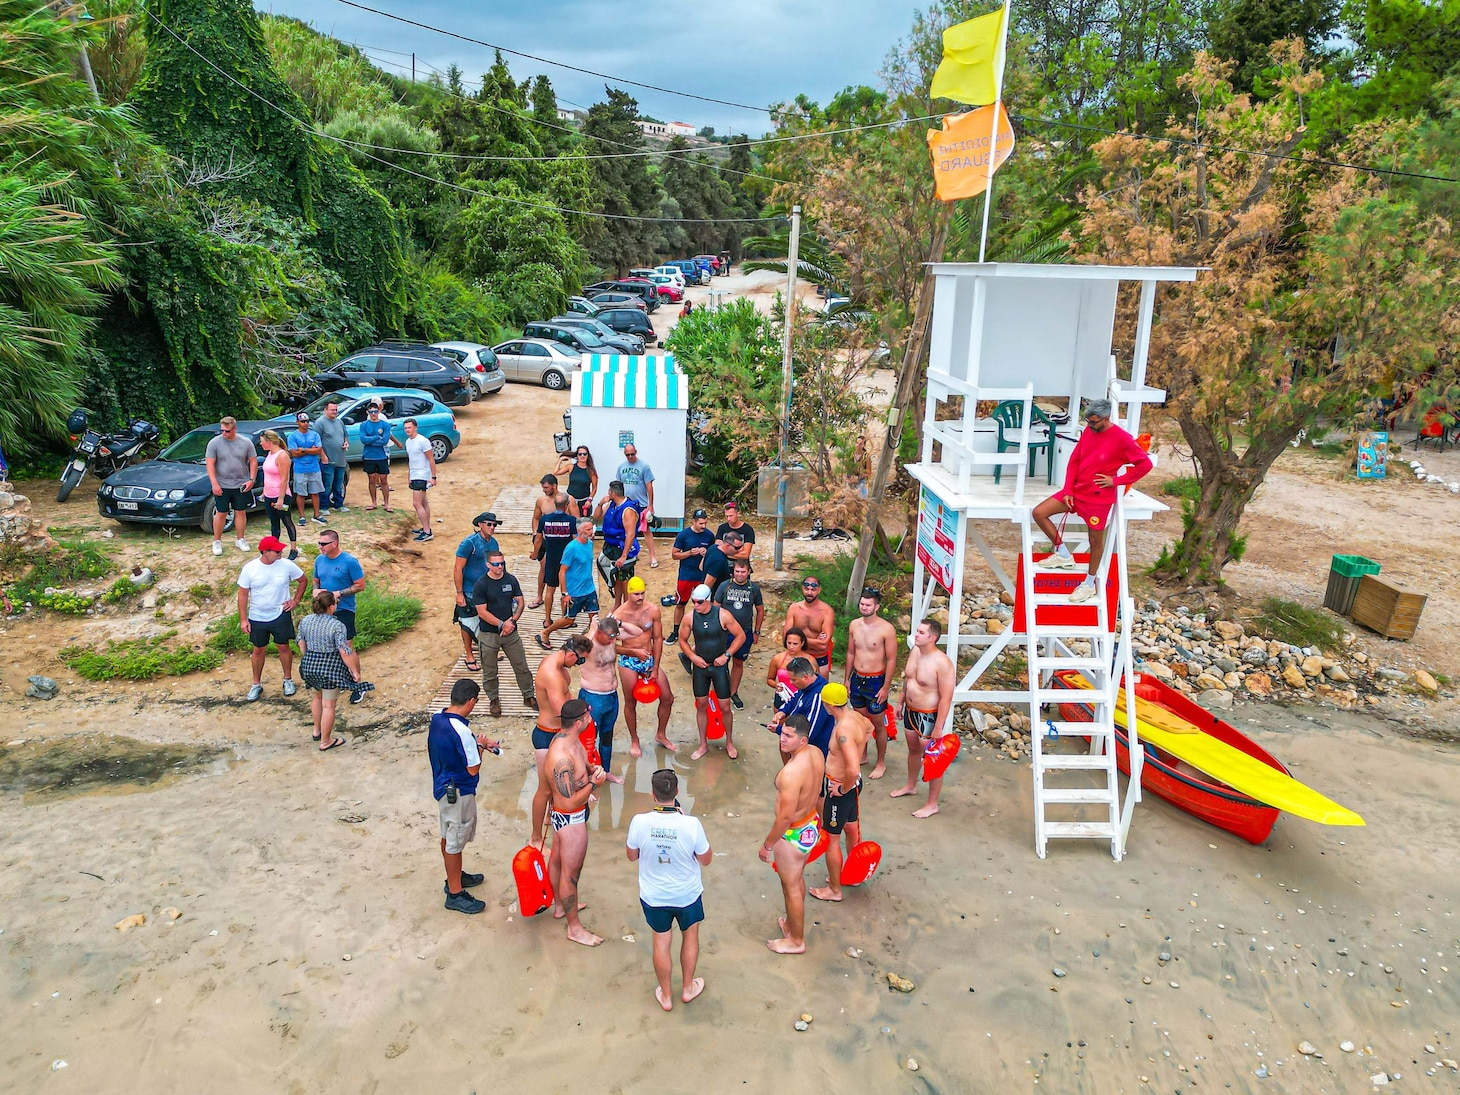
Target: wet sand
x,y
283,863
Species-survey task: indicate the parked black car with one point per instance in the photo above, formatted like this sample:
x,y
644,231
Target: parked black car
x,y
635,344
584,341
645,291
174,489
401,365
629,321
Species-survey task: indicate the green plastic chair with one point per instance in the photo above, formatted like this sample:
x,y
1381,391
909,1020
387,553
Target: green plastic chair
x,y
1009,416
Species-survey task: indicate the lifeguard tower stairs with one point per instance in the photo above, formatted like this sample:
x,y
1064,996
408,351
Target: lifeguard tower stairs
x,y
1014,350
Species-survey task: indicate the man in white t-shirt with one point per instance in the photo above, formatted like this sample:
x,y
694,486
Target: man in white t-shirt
x,y
670,847
264,605
421,458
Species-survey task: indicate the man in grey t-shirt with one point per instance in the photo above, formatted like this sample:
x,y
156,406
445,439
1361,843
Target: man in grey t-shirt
x,y
331,430
638,480
233,468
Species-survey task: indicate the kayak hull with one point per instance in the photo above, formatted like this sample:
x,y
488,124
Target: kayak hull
x,y
1188,790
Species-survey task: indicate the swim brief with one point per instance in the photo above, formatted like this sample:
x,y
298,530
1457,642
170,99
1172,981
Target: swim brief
x,y
541,738
864,691
562,821
804,834
841,810
922,723
642,666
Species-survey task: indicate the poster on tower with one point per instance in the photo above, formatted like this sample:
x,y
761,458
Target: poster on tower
x,y
937,538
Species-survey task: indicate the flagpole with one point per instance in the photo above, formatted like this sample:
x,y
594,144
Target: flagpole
x,y
988,191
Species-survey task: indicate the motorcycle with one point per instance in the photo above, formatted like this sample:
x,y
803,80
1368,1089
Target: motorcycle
x,y
101,454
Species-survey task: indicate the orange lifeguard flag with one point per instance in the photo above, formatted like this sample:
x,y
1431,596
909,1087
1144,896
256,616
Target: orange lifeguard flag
x,y
960,151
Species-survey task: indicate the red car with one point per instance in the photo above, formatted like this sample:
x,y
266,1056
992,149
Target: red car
x,y
667,289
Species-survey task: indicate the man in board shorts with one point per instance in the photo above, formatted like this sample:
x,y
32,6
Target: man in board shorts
x,y
553,684
575,578
1091,481
871,665
742,599
927,698
840,805
639,655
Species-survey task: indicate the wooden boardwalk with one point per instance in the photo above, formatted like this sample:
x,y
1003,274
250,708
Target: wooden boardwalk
x,y
513,508
512,705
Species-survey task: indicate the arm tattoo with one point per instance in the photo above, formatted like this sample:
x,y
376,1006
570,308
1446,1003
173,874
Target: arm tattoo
x,y
563,778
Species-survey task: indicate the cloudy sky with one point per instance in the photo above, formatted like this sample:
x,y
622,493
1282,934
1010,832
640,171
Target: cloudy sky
x,y
744,51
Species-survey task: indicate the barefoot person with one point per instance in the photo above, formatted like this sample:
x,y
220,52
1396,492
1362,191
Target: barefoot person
x,y
572,783
795,830
554,682
839,809
742,599
818,620
709,638
927,697
598,682
1091,481
871,665
670,847
641,655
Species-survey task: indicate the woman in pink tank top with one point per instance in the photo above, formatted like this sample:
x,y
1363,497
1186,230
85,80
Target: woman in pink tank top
x,y
276,488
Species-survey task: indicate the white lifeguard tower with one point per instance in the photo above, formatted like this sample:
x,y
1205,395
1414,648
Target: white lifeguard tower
x,y
1014,348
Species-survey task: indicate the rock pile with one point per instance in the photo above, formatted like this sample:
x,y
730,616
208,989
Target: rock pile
x,y
17,526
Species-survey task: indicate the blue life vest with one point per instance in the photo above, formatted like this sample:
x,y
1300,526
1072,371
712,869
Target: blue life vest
x,y
613,529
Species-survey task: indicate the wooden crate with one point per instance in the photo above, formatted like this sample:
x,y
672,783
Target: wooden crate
x,y
1384,607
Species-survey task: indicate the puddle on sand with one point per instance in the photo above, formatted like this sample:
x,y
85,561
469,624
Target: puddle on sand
x,y
98,763
699,787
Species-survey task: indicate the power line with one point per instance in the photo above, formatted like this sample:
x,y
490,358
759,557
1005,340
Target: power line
x,y
561,64
310,129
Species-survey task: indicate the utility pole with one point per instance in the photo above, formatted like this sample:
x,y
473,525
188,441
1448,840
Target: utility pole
x,y
907,387
793,261
413,68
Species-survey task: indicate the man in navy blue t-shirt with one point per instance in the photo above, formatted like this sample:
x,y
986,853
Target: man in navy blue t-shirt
x,y
455,762
690,548
807,703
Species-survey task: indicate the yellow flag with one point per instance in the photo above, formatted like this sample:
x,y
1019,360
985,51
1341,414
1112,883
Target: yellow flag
x,y
960,150
973,60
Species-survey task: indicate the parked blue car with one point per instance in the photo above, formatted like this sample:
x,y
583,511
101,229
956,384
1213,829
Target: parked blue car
x,y
434,420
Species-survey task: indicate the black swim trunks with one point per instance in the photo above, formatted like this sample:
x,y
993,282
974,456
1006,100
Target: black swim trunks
x,y
864,691
840,810
922,723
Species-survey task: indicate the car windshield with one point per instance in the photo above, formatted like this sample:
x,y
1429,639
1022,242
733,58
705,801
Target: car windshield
x,y
457,356
588,338
190,448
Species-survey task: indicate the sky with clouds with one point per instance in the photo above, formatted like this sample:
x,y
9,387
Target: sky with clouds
x,y
745,51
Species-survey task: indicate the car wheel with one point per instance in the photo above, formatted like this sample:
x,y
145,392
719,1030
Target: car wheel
x,y
441,449
210,509
554,380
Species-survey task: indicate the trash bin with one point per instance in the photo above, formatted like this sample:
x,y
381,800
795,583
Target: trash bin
x,y
1344,574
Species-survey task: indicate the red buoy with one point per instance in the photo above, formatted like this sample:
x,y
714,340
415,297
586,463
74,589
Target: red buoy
x,y
891,724
862,863
534,890
714,719
940,754
646,690
589,737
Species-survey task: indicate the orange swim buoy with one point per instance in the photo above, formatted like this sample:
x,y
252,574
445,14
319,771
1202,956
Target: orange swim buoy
x,y
714,719
589,737
939,755
646,690
891,724
534,890
862,863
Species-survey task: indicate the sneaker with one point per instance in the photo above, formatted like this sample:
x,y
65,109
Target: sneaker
x,y
464,902
735,699
289,687
342,509
467,880
426,539
255,692
419,533
217,547
241,544
293,554
320,520
1060,560
1084,593
356,697
672,638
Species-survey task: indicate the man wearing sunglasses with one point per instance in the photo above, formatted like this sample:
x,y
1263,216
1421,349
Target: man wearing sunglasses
x,y
499,603
469,568
1091,478
818,619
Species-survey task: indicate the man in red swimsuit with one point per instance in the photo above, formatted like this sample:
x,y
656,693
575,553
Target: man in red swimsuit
x,y
1089,490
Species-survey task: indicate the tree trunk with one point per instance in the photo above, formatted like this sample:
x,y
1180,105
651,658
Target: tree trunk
x,y
1228,482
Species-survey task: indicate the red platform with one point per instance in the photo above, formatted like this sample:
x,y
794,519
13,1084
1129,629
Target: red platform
x,y
1055,616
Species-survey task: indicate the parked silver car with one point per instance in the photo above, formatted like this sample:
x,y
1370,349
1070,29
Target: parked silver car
x,y
537,361
480,363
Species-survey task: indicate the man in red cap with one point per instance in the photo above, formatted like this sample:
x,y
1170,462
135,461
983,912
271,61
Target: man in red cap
x,y
264,604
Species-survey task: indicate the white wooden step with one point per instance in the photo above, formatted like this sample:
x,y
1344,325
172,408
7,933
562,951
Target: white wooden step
x,y
1101,830
1058,662
1051,761
1070,795
1067,631
1075,729
1071,695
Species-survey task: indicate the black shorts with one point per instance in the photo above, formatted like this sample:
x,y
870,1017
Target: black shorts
x,y
838,811
375,467
922,723
420,484
280,629
702,679
346,616
234,499
467,611
744,651
553,568
622,572
864,693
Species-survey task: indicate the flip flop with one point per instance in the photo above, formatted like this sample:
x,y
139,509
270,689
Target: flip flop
x,y
316,737
388,509
473,666
333,743
543,642
535,604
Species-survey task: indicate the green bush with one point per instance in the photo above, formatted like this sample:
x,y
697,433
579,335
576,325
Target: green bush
x,y
60,566
73,604
1183,486
1298,625
121,589
140,659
